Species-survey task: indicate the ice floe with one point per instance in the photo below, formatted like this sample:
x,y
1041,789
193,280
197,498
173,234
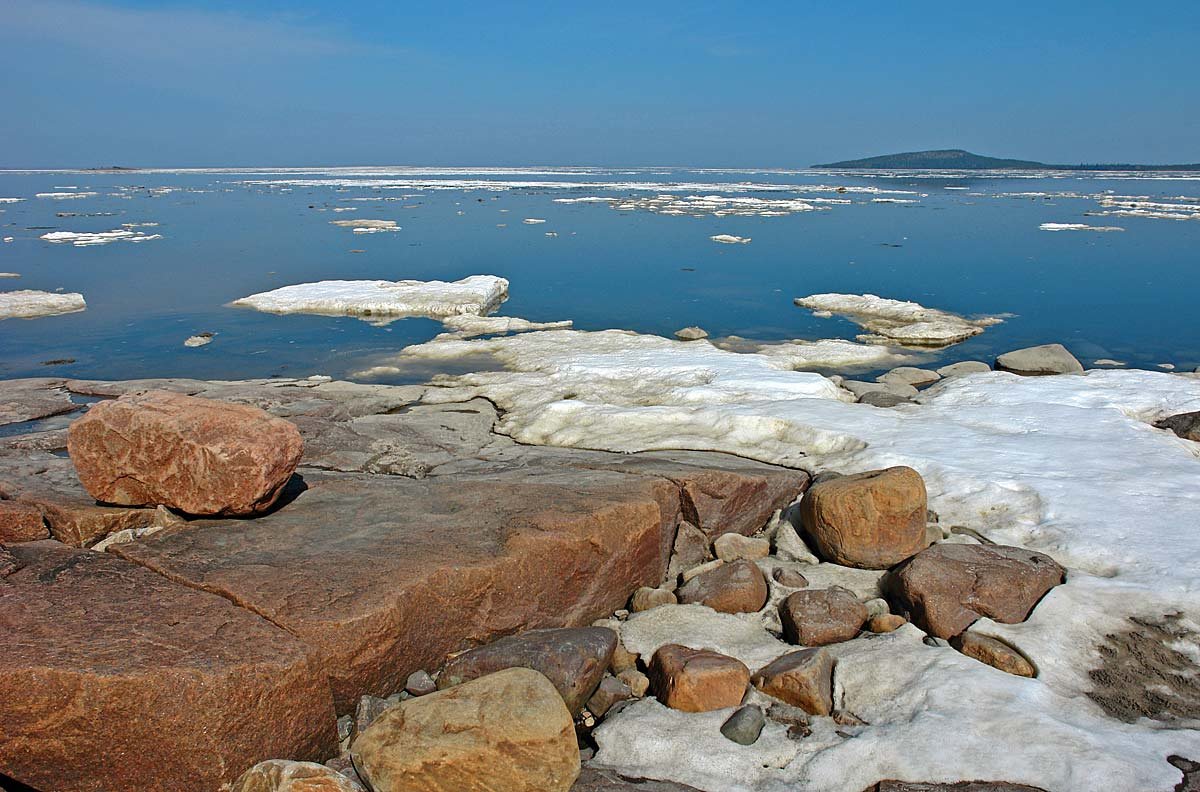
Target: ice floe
x,y
91,238
714,205
29,304
897,321
382,301
533,221
471,325
730,239
363,225
1077,227
66,196
827,353
10,200
1068,465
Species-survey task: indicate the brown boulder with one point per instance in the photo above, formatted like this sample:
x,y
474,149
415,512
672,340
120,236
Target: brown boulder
x,y
282,775
573,659
200,456
994,652
506,732
732,547
21,522
114,678
802,679
611,692
730,588
871,520
947,587
816,617
697,680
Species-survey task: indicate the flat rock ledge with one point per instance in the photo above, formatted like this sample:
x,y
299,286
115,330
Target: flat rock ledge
x,y
195,648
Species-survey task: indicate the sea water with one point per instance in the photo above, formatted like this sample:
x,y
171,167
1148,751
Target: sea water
x,y
964,242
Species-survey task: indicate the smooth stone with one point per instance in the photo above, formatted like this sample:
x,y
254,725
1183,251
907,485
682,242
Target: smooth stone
x,y
420,683
994,652
506,732
948,587
744,725
697,680
870,520
646,598
737,587
691,334
963,368
611,691
789,578
886,623
859,388
1040,360
909,375
801,679
883,399
816,617
734,547
574,659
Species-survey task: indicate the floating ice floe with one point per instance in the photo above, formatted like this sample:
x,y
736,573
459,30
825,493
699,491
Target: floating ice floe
x,y
363,225
90,238
199,340
10,274
730,239
828,353
383,301
1077,227
1138,206
472,325
715,205
1067,465
10,200
66,196
28,304
897,321
533,221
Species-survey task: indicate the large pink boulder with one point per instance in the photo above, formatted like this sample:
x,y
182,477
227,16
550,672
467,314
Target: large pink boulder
x,y
199,456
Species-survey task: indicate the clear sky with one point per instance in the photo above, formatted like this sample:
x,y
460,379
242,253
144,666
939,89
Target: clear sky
x,y
656,82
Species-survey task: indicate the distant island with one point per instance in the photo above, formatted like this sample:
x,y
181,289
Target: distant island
x,y
958,159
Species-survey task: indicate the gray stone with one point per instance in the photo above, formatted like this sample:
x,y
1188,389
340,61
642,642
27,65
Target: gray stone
x,y
883,399
858,388
1186,425
733,547
909,375
690,550
691,334
744,725
1040,360
963,368
419,683
646,598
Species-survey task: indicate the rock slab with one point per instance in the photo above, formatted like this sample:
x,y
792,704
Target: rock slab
x,y
506,732
871,520
200,456
573,659
114,678
946,588
1040,361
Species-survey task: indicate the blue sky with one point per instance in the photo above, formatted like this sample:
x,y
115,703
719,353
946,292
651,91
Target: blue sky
x,y
261,82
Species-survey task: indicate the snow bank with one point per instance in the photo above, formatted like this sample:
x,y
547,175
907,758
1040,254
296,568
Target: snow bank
x,y
902,322
28,304
1067,465
383,301
91,238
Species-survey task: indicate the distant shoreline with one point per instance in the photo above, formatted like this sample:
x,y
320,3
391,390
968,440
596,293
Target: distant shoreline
x,y
959,159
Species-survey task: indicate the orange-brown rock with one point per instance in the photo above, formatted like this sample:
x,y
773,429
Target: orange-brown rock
x,y
947,587
802,679
573,659
871,520
994,652
384,575
21,522
200,456
730,588
114,678
505,732
886,623
697,680
816,617
282,775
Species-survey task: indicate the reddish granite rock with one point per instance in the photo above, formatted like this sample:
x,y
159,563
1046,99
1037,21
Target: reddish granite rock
x,y
197,455
815,617
21,522
947,587
573,659
872,520
282,775
730,588
505,732
384,575
994,652
50,484
802,679
114,678
697,680
8,562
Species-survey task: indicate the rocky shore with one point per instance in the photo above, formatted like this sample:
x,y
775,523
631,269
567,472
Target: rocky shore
x,y
300,585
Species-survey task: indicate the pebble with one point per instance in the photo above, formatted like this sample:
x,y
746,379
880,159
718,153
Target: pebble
x,y
744,725
885,623
877,607
420,683
638,682
789,578
646,598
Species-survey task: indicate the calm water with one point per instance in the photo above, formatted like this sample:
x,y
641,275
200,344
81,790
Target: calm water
x,y
1128,296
